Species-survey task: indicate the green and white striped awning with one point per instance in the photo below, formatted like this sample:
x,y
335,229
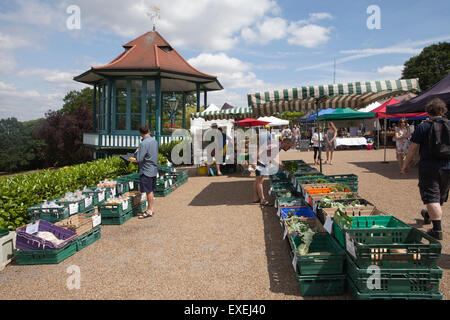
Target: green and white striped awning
x,y
235,113
352,95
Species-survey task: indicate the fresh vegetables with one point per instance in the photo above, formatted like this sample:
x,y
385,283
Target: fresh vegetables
x,y
340,188
302,230
291,166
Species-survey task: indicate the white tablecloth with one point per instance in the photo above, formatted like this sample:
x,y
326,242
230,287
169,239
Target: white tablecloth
x,y
356,141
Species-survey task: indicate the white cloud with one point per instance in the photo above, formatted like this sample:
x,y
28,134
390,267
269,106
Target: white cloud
x,y
314,17
392,72
57,78
231,72
36,13
308,36
200,24
408,47
270,29
26,104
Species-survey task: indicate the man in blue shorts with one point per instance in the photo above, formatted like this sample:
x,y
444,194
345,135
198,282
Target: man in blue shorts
x,y
147,159
434,167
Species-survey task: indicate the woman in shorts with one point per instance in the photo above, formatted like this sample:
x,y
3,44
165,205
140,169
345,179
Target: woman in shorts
x,y
330,142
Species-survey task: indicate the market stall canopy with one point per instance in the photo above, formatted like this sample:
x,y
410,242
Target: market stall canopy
x,y
274,121
250,122
440,90
354,95
347,114
239,113
212,108
313,116
151,55
380,112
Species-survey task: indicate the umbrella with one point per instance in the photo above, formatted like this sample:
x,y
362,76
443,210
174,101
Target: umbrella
x,y
249,122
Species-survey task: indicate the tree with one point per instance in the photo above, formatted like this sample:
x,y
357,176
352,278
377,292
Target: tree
x,y
63,134
74,99
19,150
430,66
291,116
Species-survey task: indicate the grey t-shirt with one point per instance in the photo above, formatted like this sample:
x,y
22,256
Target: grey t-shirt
x,y
147,157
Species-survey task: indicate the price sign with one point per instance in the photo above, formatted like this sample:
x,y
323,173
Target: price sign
x,y
270,191
170,182
32,228
125,205
298,188
73,208
131,185
314,206
119,188
101,196
87,202
143,197
113,191
328,224
96,220
294,262
350,245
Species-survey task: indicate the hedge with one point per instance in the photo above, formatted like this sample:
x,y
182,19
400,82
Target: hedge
x,y
17,193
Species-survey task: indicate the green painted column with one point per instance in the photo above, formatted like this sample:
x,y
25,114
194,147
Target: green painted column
x,y
128,116
109,109
198,97
94,110
205,97
158,109
184,110
143,101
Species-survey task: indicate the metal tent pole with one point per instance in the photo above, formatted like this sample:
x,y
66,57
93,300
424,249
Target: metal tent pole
x,y
385,137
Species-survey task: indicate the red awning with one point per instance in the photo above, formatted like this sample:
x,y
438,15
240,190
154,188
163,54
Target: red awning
x,y
380,112
249,122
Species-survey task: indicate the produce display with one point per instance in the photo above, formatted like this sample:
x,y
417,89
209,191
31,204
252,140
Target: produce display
x,y
73,196
107,184
291,166
48,236
117,200
365,236
51,205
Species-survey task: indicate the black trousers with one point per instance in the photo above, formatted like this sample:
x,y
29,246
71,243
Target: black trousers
x,y
316,153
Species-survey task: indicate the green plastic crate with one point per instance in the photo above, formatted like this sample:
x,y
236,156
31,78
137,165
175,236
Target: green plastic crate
x,y
81,206
122,187
48,214
38,257
325,256
3,233
88,238
115,210
326,285
395,281
117,221
356,295
139,208
361,229
165,193
417,251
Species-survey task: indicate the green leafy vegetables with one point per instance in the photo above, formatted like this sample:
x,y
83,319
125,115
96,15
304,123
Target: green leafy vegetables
x,y
304,232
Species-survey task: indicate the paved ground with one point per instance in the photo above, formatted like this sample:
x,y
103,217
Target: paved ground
x,y
207,242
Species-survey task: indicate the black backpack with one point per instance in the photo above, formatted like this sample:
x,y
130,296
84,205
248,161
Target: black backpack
x,y
439,139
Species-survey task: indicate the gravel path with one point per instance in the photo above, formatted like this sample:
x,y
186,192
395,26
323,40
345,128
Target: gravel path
x,y
207,242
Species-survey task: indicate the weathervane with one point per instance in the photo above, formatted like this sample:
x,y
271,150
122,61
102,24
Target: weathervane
x,y
154,15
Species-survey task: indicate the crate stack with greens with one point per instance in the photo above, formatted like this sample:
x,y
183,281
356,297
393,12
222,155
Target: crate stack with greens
x,y
169,179
387,259
317,258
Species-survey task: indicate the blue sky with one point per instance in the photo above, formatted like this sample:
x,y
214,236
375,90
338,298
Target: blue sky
x,y
251,45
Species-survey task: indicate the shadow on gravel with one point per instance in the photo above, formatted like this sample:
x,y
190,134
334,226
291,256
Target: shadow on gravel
x,y
444,261
234,193
389,170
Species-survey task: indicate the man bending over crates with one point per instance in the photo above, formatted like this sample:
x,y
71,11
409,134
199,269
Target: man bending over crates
x,y
147,158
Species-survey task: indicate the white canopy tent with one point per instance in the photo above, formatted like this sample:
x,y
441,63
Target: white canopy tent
x,y
212,108
370,107
274,121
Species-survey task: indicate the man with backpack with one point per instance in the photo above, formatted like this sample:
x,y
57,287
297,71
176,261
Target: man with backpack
x,y
432,137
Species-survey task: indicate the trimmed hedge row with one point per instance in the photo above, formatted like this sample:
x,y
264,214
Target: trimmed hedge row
x,y
20,192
